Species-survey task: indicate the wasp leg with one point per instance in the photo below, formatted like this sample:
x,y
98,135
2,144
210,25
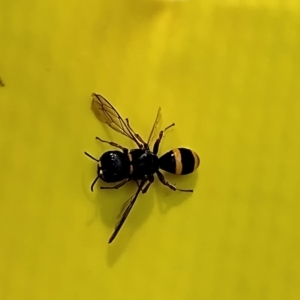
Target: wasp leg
x,y
125,150
145,189
115,186
150,181
135,134
137,183
161,135
164,181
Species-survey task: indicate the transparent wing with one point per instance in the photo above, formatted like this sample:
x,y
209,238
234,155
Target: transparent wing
x,y
126,208
155,125
106,113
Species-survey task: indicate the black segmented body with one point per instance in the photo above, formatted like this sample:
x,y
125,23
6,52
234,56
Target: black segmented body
x,y
139,164
180,161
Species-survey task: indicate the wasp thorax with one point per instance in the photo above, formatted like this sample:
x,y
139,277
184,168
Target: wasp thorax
x,y
144,163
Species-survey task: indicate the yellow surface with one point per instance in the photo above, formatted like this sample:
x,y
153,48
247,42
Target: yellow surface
x,y
227,75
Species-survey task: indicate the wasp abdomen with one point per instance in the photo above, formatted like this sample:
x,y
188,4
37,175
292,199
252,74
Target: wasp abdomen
x,y
180,161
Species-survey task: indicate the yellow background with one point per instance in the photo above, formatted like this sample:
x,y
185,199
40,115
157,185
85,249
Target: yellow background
x,y
227,73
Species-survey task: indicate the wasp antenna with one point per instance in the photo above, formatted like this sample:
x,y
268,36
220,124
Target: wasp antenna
x,y
173,124
90,156
92,186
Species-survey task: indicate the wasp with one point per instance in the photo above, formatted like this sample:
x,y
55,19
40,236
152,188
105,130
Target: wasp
x,y
138,164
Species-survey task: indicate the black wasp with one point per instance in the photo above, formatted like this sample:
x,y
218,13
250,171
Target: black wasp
x,y
139,164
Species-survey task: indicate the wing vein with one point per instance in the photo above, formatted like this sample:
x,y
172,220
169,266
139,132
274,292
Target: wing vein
x,y
106,113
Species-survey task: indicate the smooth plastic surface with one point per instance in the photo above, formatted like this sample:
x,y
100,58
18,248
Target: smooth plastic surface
x,y
227,75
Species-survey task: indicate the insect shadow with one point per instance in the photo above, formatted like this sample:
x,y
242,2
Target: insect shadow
x,y
167,199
